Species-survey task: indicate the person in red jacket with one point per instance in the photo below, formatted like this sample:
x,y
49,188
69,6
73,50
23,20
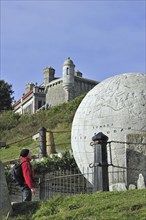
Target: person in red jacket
x,y
29,185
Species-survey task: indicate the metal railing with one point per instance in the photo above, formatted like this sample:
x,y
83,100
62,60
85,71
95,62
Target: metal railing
x,y
66,182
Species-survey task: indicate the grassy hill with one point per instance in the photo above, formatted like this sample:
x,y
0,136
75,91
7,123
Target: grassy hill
x,y
124,205
18,130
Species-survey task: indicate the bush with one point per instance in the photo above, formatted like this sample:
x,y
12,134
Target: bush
x,y
8,120
55,163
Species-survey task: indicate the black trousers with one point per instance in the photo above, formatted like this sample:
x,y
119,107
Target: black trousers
x,y
26,193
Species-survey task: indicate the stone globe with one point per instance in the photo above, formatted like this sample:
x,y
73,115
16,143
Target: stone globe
x,y
116,107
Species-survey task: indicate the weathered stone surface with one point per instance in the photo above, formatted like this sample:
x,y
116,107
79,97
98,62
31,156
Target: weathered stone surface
x,y
136,157
140,182
132,186
117,187
5,205
115,107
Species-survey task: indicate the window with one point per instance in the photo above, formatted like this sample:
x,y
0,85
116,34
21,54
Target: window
x,y
67,71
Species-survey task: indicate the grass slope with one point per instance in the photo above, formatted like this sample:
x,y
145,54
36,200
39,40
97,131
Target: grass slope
x,y
14,128
125,205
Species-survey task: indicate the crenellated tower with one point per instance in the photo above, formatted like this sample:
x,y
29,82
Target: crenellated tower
x,y
68,78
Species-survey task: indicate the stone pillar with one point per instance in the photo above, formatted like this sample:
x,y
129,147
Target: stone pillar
x,y
42,132
5,204
50,143
101,182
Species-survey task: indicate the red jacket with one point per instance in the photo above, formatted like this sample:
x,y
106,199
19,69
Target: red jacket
x,y
28,172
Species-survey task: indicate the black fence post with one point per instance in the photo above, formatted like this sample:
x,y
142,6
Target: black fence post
x,y
42,132
101,182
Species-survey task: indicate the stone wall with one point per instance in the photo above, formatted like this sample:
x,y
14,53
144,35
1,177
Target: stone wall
x,y
82,86
55,94
5,205
136,157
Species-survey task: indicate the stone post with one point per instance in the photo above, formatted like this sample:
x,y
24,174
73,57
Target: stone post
x,y
42,132
50,143
101,182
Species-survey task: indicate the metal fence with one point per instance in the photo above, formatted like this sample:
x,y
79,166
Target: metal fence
x,y
101,173
70,182
118,175
66,182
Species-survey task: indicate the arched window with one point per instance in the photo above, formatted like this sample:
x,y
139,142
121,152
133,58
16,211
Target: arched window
x,y
67,71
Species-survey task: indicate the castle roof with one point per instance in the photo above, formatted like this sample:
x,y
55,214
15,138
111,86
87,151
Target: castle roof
x,y
69,62
23,97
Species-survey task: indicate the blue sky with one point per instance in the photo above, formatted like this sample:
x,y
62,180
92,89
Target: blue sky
x,y
103,38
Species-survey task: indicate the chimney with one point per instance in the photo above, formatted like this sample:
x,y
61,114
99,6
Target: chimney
x,y
28,87
78,73
49,73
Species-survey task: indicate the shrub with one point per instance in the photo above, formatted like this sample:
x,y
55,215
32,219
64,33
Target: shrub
x,y
55,163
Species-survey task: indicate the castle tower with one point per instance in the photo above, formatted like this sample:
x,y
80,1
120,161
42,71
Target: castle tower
x,y
49,73
68,78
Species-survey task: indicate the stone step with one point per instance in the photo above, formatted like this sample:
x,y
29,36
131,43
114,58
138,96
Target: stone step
x,y
24,207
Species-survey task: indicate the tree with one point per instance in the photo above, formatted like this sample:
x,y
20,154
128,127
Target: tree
x,y
6,98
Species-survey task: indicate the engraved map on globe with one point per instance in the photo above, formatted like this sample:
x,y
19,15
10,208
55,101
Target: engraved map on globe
x,y
115,107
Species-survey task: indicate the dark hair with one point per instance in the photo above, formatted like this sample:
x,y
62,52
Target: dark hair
x,y
24,153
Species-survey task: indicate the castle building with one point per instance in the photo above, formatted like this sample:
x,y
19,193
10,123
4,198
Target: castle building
x,y
54,91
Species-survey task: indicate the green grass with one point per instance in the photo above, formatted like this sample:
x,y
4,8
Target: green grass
x,y
124,205
13,151
128,205
14,128
62,139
